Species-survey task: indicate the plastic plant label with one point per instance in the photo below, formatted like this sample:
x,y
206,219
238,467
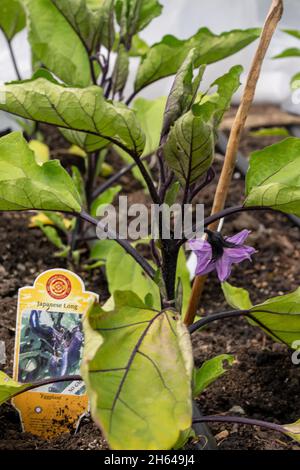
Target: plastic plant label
x,y
49,343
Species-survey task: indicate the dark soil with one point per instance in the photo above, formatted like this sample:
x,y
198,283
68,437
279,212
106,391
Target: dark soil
x,y
263,383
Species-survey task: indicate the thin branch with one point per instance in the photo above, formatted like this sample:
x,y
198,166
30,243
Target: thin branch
x,y
13,58
269,28
215,317
208,221
123,243
148,180
238,313
131,97
241,420
51,380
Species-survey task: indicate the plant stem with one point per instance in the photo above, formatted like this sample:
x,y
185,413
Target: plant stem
x,y
215,317
123,243
241,420
169,252
269,28
13,58
131,97
148,180
67,378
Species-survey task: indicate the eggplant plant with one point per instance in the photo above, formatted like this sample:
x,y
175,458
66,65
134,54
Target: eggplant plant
x,y
138,362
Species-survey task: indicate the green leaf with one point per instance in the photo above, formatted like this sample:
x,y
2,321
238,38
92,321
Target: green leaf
x,y
210,371
271,132
119,262
189,149
79,184
295,82
282,322
81,18
74,108
183,92
293,430
165,58
140,391
87,142
52,235
273,177
291,52
9,387
41,151
236,297
292,32
183,274
12,17
88,19
184,438
104,199
63,52
279,316
213,107
139,47
172,193
121,70
135,15
100,249
150,116
26,185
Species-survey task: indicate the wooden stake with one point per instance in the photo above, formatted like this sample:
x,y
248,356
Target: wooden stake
x,y
269,28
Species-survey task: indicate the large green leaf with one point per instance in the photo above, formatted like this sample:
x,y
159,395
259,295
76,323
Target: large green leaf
x,y
150,116
82,19
26,185
92,21
56,44
189,150
12,17
137,367
74,108
119,262
9,387
165,58
210,371
273,178
183,92
279,316
283,320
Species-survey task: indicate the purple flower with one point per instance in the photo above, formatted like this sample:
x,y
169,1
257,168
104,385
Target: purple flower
x,y
218,253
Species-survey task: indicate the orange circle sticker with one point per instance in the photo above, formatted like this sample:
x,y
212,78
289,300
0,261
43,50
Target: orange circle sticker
x,y
58,286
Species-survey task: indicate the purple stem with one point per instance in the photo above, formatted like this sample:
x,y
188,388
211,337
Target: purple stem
x,y
50,380
241,420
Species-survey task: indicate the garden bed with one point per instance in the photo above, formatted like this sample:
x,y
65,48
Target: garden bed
x,y
263,383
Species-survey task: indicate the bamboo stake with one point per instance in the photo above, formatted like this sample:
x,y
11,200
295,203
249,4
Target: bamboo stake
x,y
269,28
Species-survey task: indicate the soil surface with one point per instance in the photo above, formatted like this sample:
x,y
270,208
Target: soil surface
x,y
262,383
